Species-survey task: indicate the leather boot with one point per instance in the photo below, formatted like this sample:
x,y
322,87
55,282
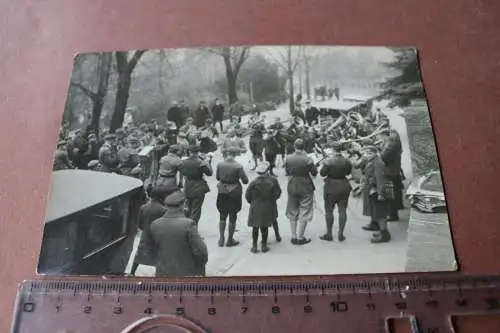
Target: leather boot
x,y
222,231
372,226
328,235
230,240
382,236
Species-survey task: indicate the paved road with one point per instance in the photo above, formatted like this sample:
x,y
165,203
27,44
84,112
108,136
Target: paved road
x,y
355,255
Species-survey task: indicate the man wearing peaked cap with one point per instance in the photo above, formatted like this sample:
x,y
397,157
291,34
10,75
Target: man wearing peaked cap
x,y
169,168
61,158
108,154
336,190
193,169
230,175
174,242
299,167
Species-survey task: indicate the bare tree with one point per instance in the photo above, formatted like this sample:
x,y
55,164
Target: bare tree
x,y
288,58
97,98
233,57
124,67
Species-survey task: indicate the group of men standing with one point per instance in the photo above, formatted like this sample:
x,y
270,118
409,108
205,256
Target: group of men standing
x,y
170,240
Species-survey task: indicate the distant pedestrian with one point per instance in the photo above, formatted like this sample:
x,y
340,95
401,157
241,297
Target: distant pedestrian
x,y
218,113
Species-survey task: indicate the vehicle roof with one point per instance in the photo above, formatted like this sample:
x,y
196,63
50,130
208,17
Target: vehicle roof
x,y
74,190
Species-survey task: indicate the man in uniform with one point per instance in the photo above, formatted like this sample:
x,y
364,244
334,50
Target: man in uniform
x,y
229,173
380,190
300,206
277,129
61,159
336,191
257,141
195,186
272,147
391,155
108,154
174,242
169,167
311,114
149,212
128,156
234,140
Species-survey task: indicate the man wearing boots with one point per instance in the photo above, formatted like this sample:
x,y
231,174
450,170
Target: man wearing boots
x,y
257,141
272,147
300,206
262,194
195,186
229,173
391,155
336,192
380,190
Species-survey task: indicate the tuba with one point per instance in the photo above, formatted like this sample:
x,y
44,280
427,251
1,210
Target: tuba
x,y
355,117
337,123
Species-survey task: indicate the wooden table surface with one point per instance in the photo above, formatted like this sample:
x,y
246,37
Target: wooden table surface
x,y
460,55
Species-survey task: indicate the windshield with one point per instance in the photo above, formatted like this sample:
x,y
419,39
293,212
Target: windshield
x,y
433,183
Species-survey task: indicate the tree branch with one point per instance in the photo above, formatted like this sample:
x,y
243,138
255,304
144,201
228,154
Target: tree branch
x,y
86,90
135,59
245,53
297,61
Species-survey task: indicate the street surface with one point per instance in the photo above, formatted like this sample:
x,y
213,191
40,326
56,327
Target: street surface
x,y
355,255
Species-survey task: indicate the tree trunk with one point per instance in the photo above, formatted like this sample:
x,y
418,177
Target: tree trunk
x,y
98,101
122,94
125,69
231,80
308,78
291,96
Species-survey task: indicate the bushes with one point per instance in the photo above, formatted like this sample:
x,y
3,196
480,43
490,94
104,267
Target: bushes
x,y
421,140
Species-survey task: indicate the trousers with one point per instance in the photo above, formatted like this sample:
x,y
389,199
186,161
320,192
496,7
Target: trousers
x,y
194,205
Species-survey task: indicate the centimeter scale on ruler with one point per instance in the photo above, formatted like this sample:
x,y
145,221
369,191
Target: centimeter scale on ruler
x,y
358,305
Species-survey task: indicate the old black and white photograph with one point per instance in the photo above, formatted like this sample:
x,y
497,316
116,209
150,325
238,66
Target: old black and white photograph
x,y
246,161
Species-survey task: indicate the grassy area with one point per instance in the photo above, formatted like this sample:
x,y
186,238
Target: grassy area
x,y
421,139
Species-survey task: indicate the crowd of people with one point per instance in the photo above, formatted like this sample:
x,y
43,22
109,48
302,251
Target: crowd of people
x,y
358,156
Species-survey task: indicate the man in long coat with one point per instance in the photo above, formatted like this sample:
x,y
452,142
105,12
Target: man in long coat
x,y
380,191
218,113
391,155
174,114
201,114
262,194
174,242
300,205
149,212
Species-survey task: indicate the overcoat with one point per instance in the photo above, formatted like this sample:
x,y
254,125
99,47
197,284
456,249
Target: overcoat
x,y
177,247
149,212
262,194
